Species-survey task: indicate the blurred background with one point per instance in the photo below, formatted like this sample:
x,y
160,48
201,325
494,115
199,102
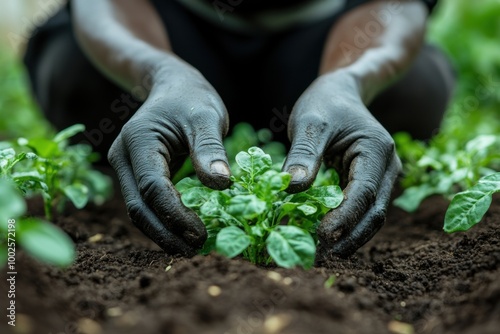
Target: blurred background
x,y
20,115
468,31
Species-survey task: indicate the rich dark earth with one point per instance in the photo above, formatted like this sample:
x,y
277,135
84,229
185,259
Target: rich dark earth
x,y
411,278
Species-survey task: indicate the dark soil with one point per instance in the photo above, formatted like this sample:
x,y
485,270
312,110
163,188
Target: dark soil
x,y
411,278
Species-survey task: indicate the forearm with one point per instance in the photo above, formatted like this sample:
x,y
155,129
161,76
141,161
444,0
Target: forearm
x,y
372,51
125,45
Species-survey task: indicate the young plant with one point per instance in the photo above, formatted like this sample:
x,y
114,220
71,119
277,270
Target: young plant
x,y
446,167
255,217
56,171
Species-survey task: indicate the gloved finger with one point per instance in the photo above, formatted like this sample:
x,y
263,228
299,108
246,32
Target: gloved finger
x,y
139,212
373,220
367,164
310,136
208,154
149,159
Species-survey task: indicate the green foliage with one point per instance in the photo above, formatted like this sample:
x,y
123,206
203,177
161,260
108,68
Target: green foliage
x,y
256,217
45,242
469,32
20,115
40,239
466,151
12,204
443,167
56,171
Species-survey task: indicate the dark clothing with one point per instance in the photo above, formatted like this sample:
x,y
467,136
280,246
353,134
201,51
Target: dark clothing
x,y
259,75
353,3
253,6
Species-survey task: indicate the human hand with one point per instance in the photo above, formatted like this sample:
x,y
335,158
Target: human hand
x,y
330,122
182,115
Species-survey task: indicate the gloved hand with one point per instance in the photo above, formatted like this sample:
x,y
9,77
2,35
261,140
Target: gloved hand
x,y
330,122
182,115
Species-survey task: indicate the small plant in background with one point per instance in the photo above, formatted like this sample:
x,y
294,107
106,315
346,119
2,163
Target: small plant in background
x,y
444,167
58,172
256,217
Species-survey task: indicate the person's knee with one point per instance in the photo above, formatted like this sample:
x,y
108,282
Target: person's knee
x,y
418,101
444,77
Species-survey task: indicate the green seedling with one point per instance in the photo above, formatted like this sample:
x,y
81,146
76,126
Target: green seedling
x,y
255,217
56,171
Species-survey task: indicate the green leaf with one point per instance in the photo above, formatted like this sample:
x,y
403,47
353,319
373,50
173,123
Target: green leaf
x,y
215,207
43,147
6,155
46,242
78,194
307,209
287,207
328,196
468,207
209,244
211,208
270,183
290,246
412,197
255,162
8,159
195,197
408,149
12,204
427,161
100,186
232,241
299,213
246,206
69,132
481,143
30,180
187,183
258,230
276,181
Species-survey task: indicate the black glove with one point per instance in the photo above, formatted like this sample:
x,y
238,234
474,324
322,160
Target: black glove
x,y
183,115
330,122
